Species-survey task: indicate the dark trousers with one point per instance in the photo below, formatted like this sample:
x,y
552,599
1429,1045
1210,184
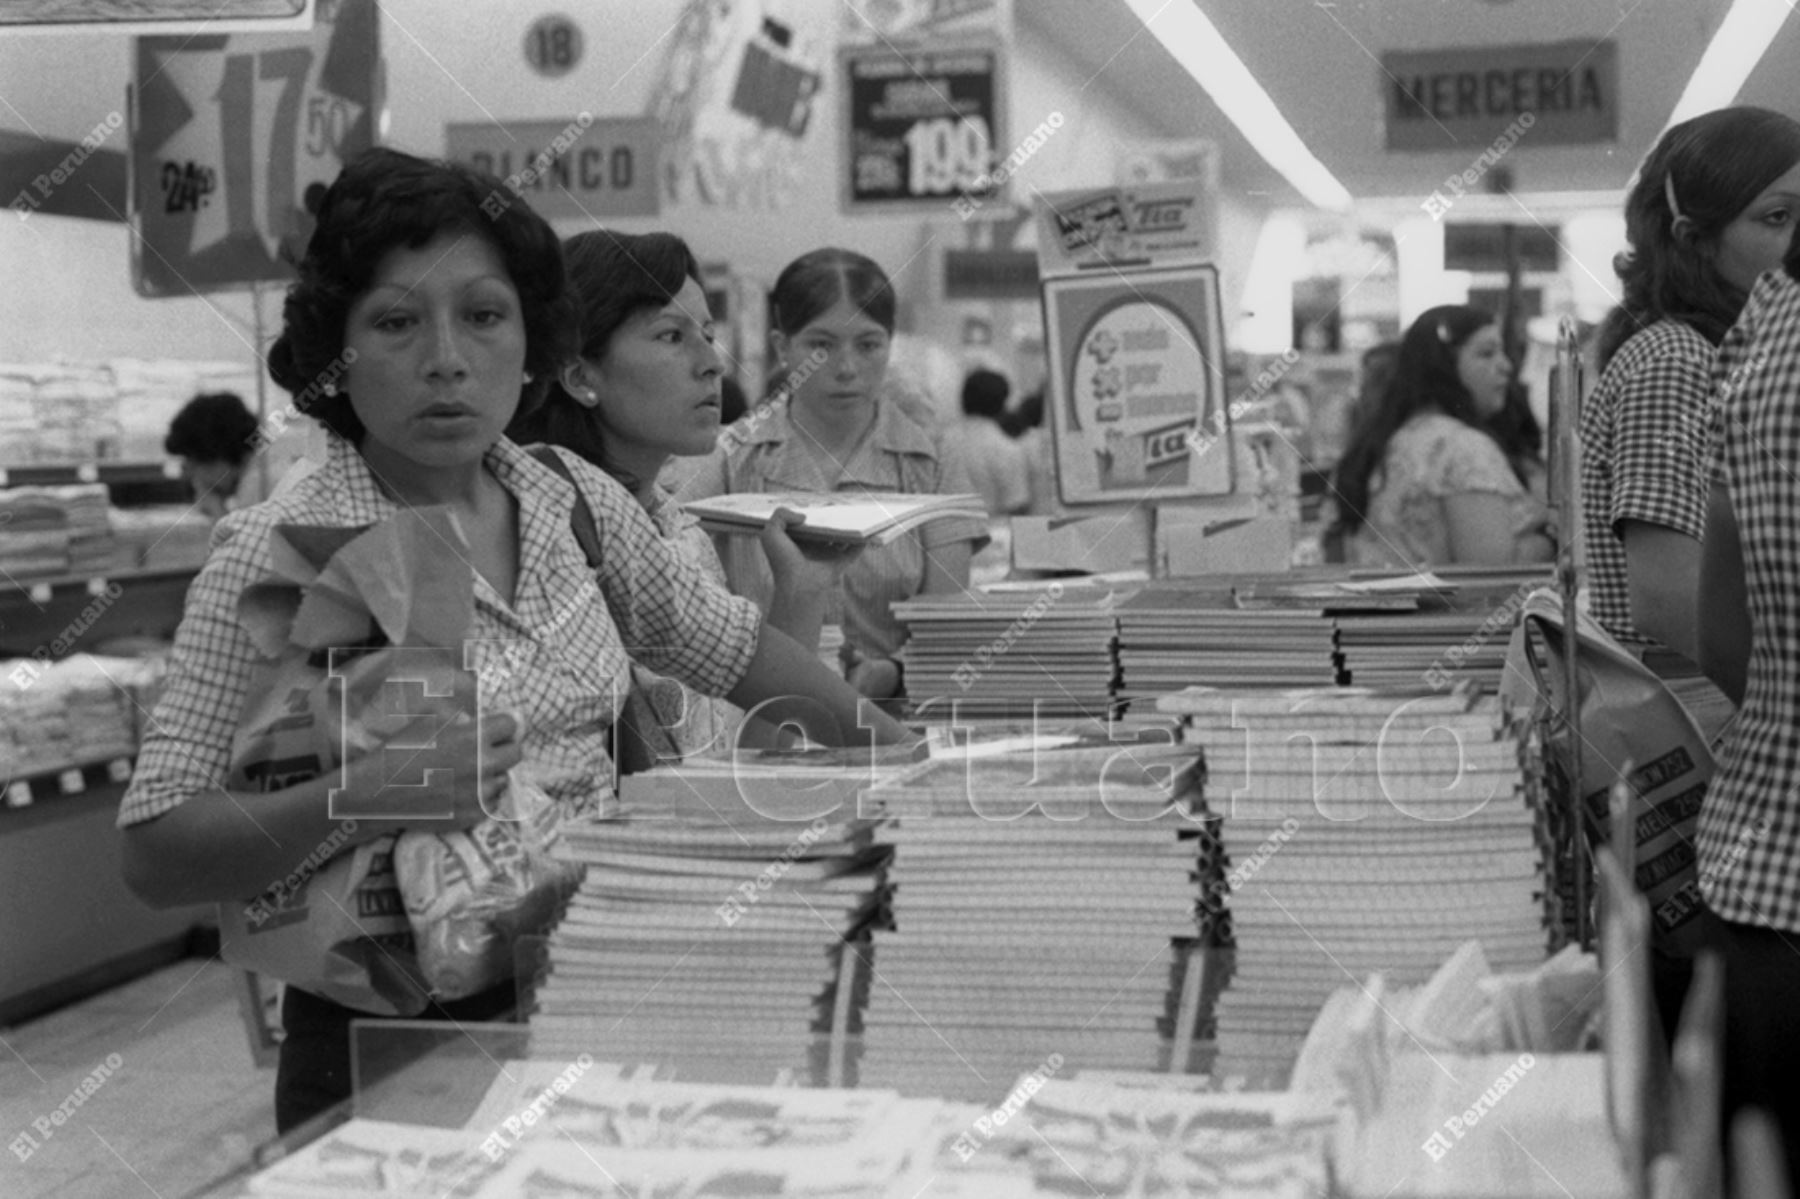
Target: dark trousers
x,y
314,1072
1762,1028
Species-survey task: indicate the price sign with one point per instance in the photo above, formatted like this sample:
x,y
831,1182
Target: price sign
x,y
921,127
236,137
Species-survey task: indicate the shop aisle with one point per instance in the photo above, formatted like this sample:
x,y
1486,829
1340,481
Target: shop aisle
x,y
181,1104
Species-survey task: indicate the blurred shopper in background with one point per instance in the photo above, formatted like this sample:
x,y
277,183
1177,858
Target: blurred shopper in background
x,y
1423,483
1713,208
1516,428
1026,424
995,463
215,436
831,431
646,387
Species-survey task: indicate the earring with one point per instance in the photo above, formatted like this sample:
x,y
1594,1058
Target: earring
x,y
329,389
527,376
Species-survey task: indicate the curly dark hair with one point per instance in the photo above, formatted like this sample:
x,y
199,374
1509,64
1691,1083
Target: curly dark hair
x,y
384,200
213,427
612,277
1715,165
1425,377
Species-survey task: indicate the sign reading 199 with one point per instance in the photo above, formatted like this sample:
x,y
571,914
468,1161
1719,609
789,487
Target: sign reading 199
x,y
947,154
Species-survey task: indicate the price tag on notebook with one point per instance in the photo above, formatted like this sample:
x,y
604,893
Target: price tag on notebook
x,y
96,586
18,794
87,472
171,469
119,770
40,593
71,782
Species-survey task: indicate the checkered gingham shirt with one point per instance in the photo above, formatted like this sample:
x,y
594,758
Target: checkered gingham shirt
x,y
558,649
1750,823
1643,457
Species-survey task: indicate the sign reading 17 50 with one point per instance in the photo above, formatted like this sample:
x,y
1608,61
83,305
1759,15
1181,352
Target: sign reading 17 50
x,y
236,137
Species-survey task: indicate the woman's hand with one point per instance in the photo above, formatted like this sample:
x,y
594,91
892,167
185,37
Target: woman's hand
x,y
386,782
807,574
803,567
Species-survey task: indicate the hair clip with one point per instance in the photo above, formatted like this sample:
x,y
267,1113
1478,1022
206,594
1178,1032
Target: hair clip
x,y
1675,213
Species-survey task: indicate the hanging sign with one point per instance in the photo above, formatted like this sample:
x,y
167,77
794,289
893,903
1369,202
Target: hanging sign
x,y
1467,98
1161,224
553,45
590,167
1136,386
235,137
920,126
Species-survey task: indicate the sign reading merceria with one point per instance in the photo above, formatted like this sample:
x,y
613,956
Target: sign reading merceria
x,y
1445,99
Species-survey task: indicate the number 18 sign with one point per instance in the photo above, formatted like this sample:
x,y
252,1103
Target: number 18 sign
x,y
232,135
920,126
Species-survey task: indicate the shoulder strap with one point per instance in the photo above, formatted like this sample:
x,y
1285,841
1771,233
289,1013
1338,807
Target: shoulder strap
x,y
587,535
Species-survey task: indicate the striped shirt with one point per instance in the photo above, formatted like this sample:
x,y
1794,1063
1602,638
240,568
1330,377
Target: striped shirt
x,y
554,653
765,453
1643,457
1750,824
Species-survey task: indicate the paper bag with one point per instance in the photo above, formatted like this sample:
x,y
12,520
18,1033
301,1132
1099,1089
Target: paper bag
x,y
1627,715
327,621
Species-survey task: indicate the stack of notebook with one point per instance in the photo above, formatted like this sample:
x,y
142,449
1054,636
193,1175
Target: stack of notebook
x,y
1364,832
1008,655
715,910
1043,903
1176,637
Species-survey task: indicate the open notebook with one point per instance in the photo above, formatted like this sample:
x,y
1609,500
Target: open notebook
x,y
861,517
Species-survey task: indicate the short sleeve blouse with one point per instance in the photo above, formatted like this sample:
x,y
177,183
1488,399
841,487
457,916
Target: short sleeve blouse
x,y
762,453
559,657
1429,459
1643,456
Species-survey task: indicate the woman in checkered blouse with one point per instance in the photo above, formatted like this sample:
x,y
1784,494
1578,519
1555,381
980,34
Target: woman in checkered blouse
x,y
430,308
1712,209
645,390
1749,588
1423,482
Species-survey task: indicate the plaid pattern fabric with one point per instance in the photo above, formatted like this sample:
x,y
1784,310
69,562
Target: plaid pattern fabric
x,y
766,453
555,653
1750,825
1643,457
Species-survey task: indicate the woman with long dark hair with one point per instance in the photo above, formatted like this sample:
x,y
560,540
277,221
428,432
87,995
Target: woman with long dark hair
x,y
1713,208
1423,482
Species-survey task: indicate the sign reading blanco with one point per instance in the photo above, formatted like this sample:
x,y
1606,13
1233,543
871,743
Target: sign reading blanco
x,y
1465,98
603,167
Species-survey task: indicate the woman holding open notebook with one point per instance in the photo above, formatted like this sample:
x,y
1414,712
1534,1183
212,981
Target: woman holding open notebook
x,y
827,431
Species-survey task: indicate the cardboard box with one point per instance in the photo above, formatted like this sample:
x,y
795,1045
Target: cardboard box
x,y
1105,540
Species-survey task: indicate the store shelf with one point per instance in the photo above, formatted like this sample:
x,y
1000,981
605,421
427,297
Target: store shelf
x,y
57,474
43,591
51,785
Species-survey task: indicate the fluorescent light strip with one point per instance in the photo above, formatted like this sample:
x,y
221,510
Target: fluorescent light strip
x,y
1742,39
1197,45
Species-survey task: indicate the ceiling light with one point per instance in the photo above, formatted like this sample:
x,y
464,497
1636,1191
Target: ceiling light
x,y
1191,38
1738,45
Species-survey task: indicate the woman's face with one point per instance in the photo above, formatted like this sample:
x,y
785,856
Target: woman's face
x,y
440,354
658,383
854,349
1482,366
1757,238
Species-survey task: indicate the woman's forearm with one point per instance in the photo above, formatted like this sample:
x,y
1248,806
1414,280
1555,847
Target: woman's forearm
x,y
786,683
218,846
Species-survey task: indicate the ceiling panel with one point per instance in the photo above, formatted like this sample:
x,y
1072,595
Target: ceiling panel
x,y
1320,62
